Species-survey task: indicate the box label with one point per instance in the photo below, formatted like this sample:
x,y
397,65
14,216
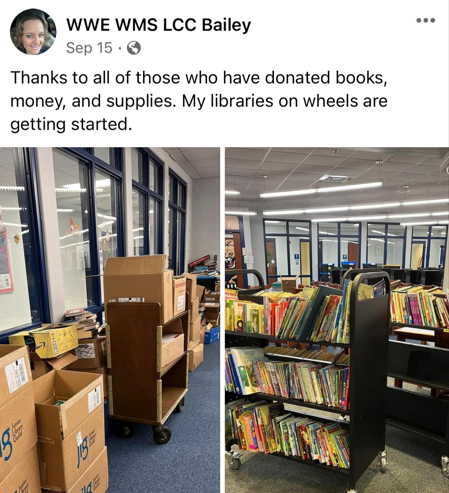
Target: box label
x,y
180,302
94,398
85,351
131,300
16,375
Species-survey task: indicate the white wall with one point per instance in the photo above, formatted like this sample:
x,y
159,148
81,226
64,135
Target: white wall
x,y
258,246
205,227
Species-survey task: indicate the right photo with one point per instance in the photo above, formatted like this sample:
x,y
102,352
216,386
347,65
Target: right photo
x,y
337,319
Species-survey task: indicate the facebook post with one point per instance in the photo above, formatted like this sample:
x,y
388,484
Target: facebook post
x,y
185,297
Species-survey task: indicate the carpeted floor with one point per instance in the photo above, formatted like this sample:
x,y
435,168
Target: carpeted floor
x,y
413,467
191,460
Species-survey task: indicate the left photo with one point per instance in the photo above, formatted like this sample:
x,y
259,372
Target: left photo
x,y
109,319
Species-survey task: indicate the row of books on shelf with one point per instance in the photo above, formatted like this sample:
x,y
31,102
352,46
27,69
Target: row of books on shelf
x,y
248,371
339,358
267,428
416,306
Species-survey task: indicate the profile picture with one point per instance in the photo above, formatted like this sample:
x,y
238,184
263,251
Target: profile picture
x,y
33,32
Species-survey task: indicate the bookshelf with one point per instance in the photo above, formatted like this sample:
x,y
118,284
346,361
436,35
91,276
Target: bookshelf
x,y
141,390
414,412
369,326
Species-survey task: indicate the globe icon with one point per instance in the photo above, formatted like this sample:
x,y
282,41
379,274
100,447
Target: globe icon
x,y
133,48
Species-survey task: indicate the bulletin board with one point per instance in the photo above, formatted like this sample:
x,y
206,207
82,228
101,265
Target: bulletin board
x,y
6,282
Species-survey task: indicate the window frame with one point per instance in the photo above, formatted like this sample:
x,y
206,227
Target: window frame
x,y
339,237
144,188
96,164
25,164
173,204
428,244
287,235
403,237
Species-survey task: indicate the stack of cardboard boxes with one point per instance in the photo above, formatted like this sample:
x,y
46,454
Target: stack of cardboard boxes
x,y
19,467
51,429
211,314
196,339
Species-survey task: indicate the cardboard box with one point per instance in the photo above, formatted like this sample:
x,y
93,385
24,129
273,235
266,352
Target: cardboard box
x,y
17,428
24,478
288,284
194,308
179,295
172,348
212,297
15,372
82,394
40,367
96,478
191,286
48,341
212,335
202,334
140,277
212,306
100,371
200,292
90,353
64,462
195,328
196,357
211,315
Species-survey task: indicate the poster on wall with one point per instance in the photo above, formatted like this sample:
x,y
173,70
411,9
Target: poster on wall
x,y
6,283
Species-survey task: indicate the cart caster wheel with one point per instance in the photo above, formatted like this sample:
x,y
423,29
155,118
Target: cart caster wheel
x,y
124,430
161,434
445,465
180,407
235,463
383,461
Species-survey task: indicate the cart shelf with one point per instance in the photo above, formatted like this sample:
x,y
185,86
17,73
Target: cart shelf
x,y
414,326
165,368
369,326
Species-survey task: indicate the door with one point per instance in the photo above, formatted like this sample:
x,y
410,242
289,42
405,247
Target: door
x,y
270,255
233,255
418,254
353,253
305,262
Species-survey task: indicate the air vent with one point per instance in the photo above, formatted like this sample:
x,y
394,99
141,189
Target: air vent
x,y
334,179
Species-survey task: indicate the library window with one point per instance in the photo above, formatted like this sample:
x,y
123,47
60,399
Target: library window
x,y
338,245
177,202
88,195
23,289
147,174
287,250
109,155
385,245
428,246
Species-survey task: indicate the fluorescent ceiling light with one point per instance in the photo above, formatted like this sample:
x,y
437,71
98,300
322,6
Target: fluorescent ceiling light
x,y
240,213
301,229
374,206
330,220
426,202
440,213
69,190
65,210
419,224
106,223
74,244
396,216
346,188
73,186
273,222
440,227
311,191
289,193
325,233
2,208
12,189
73,234
357,207
232,192
137,237
17,225
104,216
326,209
103,183
366,218
291,211
137,229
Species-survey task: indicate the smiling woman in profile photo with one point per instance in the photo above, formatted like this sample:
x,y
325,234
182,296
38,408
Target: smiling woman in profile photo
x,y
30,32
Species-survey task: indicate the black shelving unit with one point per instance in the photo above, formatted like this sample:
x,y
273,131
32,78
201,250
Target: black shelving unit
x,y
369,326
414,412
